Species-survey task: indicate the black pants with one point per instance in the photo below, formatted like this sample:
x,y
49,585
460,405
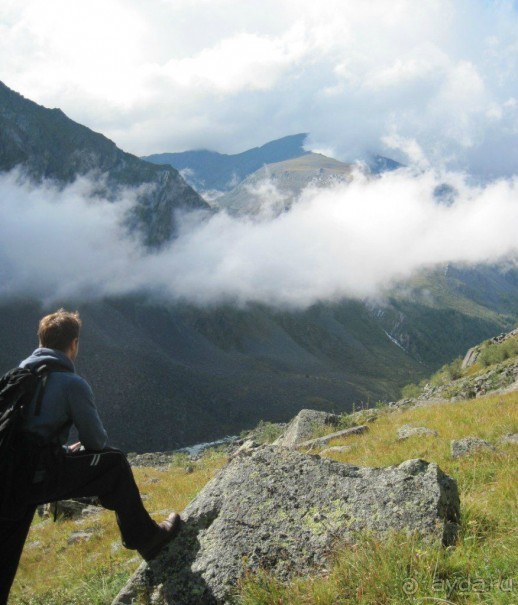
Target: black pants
x,y
105,474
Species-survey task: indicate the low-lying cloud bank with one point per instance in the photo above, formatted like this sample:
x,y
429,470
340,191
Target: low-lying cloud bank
x,y
346,241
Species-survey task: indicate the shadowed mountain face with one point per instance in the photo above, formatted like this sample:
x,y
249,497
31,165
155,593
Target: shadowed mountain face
x,y
167,376
45,144
207,170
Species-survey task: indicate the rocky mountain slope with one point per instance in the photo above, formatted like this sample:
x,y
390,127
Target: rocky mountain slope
x,y
489,368
46,144
299,508
155,368
273,188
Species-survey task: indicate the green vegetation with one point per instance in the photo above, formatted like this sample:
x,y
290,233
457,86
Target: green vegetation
x,y
447,373
490,355
264,432
411,391
53,572
485,558
496,353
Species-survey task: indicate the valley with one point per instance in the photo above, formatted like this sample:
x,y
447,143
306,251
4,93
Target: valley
x,y
224,364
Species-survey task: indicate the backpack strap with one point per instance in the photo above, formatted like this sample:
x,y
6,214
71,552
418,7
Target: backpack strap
x,y
41,391
43,372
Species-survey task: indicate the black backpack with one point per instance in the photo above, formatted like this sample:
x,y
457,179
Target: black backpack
x,y
18,387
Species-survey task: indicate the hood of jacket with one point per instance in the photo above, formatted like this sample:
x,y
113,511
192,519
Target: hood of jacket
x,y
43,355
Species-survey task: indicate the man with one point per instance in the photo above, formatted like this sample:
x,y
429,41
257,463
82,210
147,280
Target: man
x,y
86,468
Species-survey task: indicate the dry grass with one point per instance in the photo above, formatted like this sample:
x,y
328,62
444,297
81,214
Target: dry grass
x,y
374,572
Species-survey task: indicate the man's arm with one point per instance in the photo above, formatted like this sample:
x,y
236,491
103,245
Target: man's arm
x,y
85,417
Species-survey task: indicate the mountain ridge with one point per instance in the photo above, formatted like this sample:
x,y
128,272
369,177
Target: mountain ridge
x,y
212,172
222,171
46,144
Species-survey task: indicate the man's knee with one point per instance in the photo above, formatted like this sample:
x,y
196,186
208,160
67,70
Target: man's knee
x,y
111,461
108,455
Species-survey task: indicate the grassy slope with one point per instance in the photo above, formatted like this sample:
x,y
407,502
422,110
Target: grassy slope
x,y
445,314
52,572
479,569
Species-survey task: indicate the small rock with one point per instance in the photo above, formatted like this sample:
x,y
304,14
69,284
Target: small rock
x,y
304,425
509,438
90,510
245,448
407,430
469,445
70,509
79,536
370,418
336,448
157,595
158,460
321,441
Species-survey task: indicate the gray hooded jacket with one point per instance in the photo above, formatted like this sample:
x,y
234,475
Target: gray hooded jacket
x,y
68,400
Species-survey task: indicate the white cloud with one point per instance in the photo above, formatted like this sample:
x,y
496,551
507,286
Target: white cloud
x,y
174,75
56,243
243,62
410,148
346,241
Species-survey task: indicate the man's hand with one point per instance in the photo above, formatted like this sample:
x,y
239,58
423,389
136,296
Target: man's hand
x,y
75,447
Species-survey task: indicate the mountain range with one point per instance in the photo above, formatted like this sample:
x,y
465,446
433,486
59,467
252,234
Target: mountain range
x,y
209,171
168,375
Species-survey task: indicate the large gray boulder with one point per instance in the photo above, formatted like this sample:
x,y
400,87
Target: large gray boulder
x,y
304,425
277,509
